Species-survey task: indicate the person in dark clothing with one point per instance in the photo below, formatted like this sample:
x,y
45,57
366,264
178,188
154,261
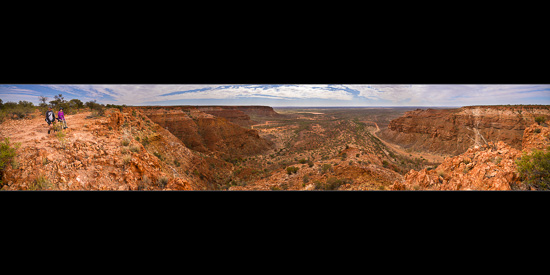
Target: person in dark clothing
x,y
50,119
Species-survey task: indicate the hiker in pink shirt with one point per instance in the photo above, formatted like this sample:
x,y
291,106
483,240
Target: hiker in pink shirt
x,y
61,118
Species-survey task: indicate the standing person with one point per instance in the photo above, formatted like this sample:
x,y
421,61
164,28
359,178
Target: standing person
x,y
61,117
50,119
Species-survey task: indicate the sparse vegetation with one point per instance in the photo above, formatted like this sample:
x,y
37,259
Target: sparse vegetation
x,y
134,149
7,154
41,183
540,119
292,170
158,155
126,159
13,110
332,183
326,168
162,181
534,169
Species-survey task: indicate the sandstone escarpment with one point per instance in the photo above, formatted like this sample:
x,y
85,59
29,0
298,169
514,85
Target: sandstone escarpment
x,y
453,131
207,129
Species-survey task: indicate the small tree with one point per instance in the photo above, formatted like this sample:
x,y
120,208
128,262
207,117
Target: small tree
x,y
540,119
42,99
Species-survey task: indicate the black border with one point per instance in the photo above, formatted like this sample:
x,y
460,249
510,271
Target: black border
x,y
125,63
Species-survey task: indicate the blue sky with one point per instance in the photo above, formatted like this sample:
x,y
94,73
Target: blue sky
x,y
287,95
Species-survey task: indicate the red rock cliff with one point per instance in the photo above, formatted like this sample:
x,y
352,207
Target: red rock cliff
x,y
453,131
209,129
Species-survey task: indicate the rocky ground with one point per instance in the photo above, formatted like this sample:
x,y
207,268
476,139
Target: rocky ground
x,y
118,151
488,167
142,148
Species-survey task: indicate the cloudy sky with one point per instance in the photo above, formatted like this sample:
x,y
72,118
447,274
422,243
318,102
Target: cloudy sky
x,y
287,95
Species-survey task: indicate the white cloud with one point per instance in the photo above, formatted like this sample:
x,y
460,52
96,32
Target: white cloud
x,y
449,95
242,91
411,95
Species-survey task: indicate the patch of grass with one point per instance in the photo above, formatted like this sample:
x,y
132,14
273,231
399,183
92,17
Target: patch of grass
x,y
162,182
125,142
40,183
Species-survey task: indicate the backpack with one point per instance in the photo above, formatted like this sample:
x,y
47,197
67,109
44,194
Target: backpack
x,y
50,116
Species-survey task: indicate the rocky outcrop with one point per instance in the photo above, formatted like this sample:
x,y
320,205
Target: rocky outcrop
x,y
535,137
120,151
488,167
261,111
453,131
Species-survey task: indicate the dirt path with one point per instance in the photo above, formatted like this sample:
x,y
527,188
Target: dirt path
x,y
34,132
401,151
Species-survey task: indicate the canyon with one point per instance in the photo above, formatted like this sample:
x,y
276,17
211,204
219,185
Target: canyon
x,y
215,130
265,148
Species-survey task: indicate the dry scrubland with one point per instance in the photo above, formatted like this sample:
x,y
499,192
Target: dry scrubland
x,y
261,148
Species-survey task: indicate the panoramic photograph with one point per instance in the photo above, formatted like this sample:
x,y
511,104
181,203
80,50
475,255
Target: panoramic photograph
x,y
276,137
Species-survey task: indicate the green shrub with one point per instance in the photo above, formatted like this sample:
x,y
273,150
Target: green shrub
x,y
326,168
7,152
292,170
125,142
540,119
534,169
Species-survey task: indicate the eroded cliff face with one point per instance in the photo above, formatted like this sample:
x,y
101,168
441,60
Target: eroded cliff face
x,y
488,167
453,131
119,151
210,129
